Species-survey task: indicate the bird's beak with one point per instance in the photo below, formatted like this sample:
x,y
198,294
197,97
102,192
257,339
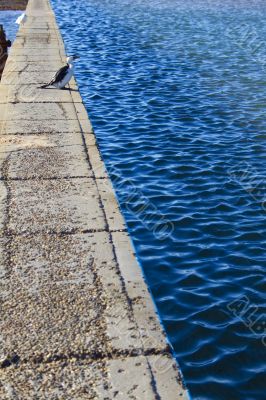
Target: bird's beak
x,y
75,57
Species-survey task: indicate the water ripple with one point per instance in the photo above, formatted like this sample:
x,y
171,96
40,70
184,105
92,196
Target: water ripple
x,y
177,100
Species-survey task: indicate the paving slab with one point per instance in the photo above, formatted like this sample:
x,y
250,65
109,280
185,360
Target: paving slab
x,y
86,126
53,304
36,58
143,307
95,159
40,127
110,204
169,381
81,112
28,37
75,380
19,66
18,143
34,41
28,157
132,378
21,44
139,378
26,30
89,139
43,52
28,77
20,93
61,205
37,111
76,302
39,22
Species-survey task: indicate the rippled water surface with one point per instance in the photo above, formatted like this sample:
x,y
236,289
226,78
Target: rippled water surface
x,y
176,93
8,19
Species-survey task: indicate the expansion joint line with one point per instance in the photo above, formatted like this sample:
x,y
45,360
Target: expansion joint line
x,y
50,178
8,241
15,360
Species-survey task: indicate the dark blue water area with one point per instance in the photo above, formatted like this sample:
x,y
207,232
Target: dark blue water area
x,y
176,93
8,20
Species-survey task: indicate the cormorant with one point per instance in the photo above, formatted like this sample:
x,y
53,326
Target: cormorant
x,y
63,75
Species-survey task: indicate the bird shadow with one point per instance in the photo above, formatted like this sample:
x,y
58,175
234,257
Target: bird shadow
x,y
68,89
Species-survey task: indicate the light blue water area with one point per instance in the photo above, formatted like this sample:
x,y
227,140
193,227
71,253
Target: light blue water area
x,y
8,20
176,93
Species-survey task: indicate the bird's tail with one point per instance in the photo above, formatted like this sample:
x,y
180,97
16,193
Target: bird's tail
x,y
44,86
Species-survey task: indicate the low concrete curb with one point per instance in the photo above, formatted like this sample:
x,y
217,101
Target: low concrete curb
x,y
77,320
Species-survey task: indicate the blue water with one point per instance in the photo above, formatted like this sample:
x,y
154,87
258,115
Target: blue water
x,y
8,20
176,93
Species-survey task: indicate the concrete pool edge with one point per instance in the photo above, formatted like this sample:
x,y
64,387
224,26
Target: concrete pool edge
x,y
97,331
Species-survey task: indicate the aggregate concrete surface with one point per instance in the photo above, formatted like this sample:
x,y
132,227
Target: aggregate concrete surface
x,y
77,319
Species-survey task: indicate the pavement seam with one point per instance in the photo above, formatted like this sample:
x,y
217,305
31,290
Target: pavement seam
x,y
50,178
153,382
10,233
8,241
92,357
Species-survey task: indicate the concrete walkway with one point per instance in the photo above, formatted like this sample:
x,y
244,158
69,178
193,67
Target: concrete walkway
x,y
77,320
